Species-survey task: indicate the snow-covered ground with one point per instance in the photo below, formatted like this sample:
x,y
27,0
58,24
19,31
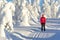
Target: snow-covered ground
x,y
34,33
26,13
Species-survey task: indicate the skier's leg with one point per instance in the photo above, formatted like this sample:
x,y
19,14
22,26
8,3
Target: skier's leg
x,y
44,26
41,27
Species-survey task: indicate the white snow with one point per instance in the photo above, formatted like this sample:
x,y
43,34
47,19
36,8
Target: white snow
x,y
26,20
6,20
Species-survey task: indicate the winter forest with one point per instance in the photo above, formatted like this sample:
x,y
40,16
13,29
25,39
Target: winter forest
x,y
29,11
19,13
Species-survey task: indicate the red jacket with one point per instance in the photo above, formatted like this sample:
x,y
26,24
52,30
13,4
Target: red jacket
x,y
42,20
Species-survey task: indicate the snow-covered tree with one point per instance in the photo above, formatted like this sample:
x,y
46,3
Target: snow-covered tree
x,y
33,10
51,8
6,20
55,8
47,9
2,4
25,14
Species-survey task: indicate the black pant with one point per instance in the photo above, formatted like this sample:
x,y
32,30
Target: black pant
x,y
42,26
